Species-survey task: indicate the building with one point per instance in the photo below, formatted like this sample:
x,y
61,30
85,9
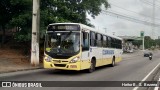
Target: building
x,y
127,43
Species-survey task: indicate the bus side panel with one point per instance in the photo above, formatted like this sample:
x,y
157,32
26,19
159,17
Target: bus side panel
x,y
85,61
97,53
118,55
107,58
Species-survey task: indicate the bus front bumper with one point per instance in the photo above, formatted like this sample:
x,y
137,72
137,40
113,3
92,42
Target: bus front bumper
x,y
62,66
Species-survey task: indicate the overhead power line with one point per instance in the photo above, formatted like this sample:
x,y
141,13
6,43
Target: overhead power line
x,y
133,11
150,3
130,18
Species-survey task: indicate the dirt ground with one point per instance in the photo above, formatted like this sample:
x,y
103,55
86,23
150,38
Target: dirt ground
x,y
15,55
13,60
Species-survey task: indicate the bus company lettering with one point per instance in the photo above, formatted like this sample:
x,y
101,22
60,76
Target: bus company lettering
x,y
105,52
19,84
65,27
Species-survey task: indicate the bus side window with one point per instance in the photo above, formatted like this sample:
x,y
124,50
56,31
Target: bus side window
x,y
109,42
99,40
85,41
92,39
120,44
104,41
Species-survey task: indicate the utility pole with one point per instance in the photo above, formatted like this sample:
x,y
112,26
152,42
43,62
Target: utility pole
x,y
153,19
143,43
142,36
35,33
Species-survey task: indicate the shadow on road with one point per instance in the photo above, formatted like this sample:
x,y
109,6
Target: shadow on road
x,y
70,72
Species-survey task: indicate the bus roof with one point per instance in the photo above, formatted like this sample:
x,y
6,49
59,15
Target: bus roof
x,y
89,28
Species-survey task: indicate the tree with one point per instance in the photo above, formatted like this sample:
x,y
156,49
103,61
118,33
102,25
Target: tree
x,y
15,13
5,16
22,18
70,10
137,43
158,42
18,13
149,42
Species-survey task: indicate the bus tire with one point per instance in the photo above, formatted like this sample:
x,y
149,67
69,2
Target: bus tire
x,y
92,67
113,62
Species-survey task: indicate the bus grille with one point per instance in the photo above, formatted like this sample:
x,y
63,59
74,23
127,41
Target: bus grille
x,y
60,65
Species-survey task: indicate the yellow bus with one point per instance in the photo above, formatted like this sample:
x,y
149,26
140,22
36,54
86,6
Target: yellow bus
x,y
74,46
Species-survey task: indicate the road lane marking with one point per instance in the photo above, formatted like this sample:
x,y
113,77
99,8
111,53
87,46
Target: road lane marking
x,y
135,88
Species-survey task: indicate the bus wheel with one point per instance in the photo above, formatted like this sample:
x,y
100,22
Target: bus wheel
x,y
92,67
113,62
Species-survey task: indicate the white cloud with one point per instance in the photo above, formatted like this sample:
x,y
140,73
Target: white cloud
x,y
133,8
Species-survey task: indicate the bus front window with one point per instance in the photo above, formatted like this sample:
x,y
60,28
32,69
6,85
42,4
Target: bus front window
x,y
62,42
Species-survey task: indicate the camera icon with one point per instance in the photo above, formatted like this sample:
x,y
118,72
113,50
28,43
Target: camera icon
x,y
6,84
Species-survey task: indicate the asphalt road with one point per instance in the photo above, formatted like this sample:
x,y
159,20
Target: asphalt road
x,y
134,68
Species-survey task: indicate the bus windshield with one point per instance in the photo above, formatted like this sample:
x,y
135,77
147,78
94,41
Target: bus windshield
x,y
62,43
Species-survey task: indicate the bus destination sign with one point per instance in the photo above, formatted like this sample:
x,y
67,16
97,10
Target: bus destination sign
x,y
63,27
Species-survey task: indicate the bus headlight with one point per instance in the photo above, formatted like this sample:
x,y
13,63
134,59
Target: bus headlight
x,y
48,58
74,60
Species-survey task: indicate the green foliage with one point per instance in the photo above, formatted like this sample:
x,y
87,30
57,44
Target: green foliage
x,y
137,42
22,38
149,43
5,12
22,13
22,17
23,35
18,13
70,10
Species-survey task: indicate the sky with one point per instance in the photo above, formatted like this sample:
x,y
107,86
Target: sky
x,y
139,9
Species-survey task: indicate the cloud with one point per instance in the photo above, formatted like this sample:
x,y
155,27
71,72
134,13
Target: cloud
x,y
119,25
131,8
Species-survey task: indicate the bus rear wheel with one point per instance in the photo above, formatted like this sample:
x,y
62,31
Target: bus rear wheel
x,y
92,67
113,62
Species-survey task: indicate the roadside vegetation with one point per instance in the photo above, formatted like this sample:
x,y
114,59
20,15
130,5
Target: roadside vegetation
x,y
16,19
149,43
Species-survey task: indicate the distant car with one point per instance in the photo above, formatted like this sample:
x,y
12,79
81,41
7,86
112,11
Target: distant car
x,y
147,54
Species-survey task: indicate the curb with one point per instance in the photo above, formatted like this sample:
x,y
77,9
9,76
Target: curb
x,y
10,71
19,72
